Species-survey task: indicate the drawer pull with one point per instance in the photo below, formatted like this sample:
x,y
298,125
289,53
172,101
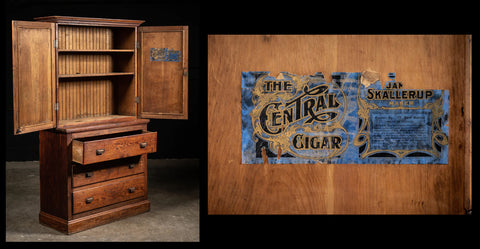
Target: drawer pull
x,y
89,200
88,174
100,152
131,190
143,145
131,166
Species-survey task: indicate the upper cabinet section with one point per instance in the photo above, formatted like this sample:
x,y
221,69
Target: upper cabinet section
x,y
76,71
34,89
163,72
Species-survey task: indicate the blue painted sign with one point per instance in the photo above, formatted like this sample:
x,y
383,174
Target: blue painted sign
x,y
305,119
165,54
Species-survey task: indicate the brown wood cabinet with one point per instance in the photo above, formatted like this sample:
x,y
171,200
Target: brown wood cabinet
x,y
86,84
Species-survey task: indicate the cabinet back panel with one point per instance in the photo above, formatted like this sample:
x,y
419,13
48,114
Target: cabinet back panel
x,y
85,98
88,38
79,37
84,63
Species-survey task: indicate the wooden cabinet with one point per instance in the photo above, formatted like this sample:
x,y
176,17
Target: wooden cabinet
x,y
86,84
70,71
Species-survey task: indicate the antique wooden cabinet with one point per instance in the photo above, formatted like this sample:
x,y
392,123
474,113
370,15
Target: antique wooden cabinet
x,y
86,84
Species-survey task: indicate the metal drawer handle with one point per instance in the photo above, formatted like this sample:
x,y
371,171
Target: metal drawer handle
x,y
131,166
88,174
100,152
143,145
89,200
131,190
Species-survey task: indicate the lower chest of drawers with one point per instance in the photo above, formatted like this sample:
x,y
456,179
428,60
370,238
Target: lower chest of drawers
x,y
104,184
93,177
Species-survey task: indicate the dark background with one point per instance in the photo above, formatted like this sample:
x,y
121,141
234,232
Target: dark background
x,y
175,138
188,139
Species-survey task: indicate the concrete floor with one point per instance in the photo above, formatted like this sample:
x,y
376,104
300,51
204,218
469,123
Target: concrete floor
x,y
173,190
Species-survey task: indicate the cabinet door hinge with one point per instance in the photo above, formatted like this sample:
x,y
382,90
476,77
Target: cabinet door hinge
x,y
55,107
55,43
137,99
137,45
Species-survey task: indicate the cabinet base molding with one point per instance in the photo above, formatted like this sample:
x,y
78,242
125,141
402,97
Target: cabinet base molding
x,y
94,220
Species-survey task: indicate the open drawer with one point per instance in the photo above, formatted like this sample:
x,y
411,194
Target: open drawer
x,y
104,148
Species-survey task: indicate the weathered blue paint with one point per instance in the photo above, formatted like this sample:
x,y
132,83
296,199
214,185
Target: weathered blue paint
x,y
309,120
165,54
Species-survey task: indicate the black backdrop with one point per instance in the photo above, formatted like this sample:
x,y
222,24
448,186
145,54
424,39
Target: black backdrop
x,y
188,139
176,138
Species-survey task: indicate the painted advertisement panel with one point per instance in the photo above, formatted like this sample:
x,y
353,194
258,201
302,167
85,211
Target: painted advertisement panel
x,y
350,120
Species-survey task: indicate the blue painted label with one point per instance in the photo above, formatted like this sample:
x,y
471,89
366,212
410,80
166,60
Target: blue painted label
x,y
165,54
304,119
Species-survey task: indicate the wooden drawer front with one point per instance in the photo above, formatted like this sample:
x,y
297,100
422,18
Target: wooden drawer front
x,y
93,151
106,193
98,172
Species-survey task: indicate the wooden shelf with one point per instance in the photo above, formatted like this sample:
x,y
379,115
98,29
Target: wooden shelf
x,y
85,75
96,50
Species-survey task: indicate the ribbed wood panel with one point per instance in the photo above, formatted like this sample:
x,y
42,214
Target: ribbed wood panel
x,y
82,37
85,63
85,97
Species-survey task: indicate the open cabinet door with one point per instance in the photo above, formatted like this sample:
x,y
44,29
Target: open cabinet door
x,y
34,86
163,72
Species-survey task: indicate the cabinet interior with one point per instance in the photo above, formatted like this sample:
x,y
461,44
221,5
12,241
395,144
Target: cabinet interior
x,y
96,73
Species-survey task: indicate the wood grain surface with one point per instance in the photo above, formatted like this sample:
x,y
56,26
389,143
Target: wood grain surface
x,y
98,172
419,61
163,85
86,152
103,194
33,76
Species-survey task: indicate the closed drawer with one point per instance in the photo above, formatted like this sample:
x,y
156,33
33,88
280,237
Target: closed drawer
x,y
92,150
107,193
104,171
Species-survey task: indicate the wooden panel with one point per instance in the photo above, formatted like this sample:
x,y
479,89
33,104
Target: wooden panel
x,y
83,175
84,151
107,193
419,61
80,63
33,76
85,98
54,176
84,38
163,85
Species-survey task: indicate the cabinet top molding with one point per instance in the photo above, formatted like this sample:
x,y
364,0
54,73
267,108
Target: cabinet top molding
x,y
87,21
